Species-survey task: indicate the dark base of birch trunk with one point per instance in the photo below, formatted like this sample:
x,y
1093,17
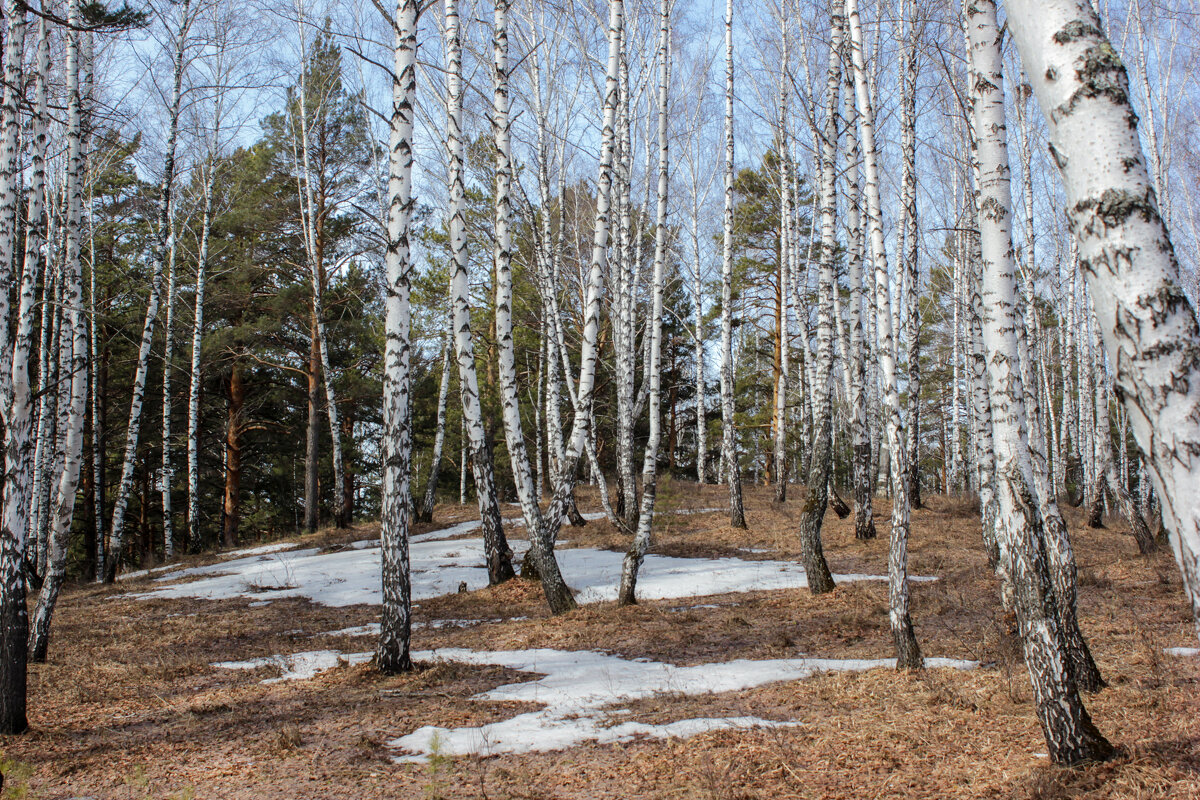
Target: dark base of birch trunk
x,y
908,652
820,579
737,512
838,504
864,522
558,595
1096,508
573,516
14,631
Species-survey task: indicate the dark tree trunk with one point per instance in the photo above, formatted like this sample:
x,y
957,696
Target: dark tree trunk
x,y
233,458
311,453
348,473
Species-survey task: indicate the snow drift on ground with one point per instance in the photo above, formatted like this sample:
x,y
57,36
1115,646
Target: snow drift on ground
x,y
579,690
352,576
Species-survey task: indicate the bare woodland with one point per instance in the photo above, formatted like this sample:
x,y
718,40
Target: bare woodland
x,y
672,381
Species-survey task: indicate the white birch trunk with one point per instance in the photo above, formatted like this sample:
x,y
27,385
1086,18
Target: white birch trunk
x,y
497,553
1149,329
909,68
163,245
820,580
15,408
425,512
313,253
1070,735
729,454
195,374
393,652
863,478
908,654
632,562
168,469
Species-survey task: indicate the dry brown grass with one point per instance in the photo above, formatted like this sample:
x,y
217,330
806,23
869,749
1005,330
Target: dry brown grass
x,y
130,708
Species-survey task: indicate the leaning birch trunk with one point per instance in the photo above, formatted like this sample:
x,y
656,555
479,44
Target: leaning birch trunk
x,y
162,247
1070,735
908,654
543,529
14,394
632,562
499,563
425,512
1106,473
737,515
909,67
73,360
820,580
193,424
864,523
168,469
395,628
1149,329
1059,553
698,359
779,424
19,453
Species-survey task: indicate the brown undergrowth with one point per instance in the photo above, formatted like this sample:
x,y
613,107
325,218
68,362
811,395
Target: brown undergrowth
x,y
130,707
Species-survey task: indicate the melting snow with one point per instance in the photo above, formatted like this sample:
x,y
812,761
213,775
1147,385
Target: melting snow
x,y
1182,651
372,628
351,577
577,686
578,690
298,666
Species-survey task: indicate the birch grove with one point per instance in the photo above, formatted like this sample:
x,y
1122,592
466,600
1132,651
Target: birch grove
x,y
306,253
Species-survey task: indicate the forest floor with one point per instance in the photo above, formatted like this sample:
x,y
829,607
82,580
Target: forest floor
x,y
131,704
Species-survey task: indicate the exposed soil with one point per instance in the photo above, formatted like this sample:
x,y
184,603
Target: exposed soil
x,y
130,707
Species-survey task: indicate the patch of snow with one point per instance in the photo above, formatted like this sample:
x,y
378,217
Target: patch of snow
x,y
141,573
684,512
1182,651
576,686
298,666
693,608
262,550
372,628
352,577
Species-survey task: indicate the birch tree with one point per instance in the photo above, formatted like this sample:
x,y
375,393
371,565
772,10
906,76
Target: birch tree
x,y
737,515
395,629
425,511
163,245
1148,327
499,564
909,69
1070,735
816,569
908,654
312,222
632,562
860,430
14,392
